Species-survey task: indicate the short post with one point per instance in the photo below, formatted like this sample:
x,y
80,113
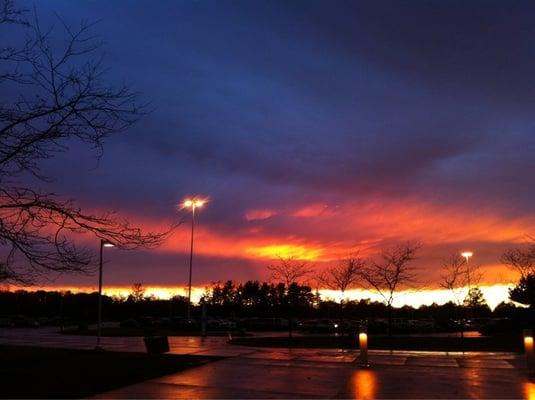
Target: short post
x,y
363,347
203,319
528,349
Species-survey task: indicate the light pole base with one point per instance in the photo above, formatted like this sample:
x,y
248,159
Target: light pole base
x,y
363,364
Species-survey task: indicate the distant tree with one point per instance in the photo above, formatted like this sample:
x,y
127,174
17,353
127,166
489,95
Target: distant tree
x,y
137,293
524,291
521,259
457,275
300,297
505,309
53,94
249,294
342,277
475,298
290,271
392,270
475,301
454,276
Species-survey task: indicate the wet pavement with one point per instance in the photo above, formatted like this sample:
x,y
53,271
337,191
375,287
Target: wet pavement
x,y
249,372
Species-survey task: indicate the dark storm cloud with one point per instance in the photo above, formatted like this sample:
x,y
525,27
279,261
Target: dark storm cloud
x,y
262,104
344,96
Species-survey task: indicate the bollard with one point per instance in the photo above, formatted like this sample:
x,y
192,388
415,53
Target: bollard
x,y
528,349
363,347
203,319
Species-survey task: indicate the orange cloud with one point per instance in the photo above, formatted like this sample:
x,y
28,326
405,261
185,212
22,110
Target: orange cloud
x,y
311,210
286,251
329,236
253,215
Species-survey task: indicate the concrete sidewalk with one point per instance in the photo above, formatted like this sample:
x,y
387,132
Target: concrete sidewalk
x,y
250,372
308,373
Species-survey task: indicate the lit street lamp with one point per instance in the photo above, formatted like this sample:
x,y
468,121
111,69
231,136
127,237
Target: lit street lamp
x,y
103,243
467,255
192,204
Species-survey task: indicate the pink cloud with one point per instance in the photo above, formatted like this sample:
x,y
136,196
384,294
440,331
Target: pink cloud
x,y
260,214
310,210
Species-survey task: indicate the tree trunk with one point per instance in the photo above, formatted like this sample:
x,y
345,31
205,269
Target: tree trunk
x,y
290,322
342,317
390,320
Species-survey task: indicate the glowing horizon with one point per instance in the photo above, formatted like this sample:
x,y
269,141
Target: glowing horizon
x,y
493,294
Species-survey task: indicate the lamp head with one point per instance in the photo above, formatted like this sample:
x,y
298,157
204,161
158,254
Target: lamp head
x,y
105,243
467,254
193,203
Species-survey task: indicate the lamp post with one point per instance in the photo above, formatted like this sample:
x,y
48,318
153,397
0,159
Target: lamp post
x,y
528,349
467,255
103,243
363,347
192,204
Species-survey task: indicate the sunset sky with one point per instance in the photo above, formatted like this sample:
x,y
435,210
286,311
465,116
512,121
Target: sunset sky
x,y
315,129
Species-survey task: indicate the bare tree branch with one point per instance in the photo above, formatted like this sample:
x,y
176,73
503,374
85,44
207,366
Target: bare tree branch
x,y
454,277
392,270
290,270
61,95
521,259
344,275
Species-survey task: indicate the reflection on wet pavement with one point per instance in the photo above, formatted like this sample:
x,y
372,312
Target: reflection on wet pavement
x,y
249,372
529,390
364,382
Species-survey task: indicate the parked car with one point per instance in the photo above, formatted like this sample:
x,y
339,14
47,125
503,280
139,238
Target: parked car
x,y
130,323
21,321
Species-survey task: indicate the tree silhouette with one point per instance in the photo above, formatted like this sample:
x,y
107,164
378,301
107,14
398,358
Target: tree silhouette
x,y
58,95
524,291
290,271
392,270
455,279
476,302
341,277
344,275
521,259
137,293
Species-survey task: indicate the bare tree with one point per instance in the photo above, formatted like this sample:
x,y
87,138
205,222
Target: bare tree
x,y
137,293
54,93
521,259
457,275
341,277
454,277
392,270
344,275
290,271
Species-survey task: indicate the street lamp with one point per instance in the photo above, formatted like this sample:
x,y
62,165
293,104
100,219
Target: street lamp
x,y
103,243
193,204
467,255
